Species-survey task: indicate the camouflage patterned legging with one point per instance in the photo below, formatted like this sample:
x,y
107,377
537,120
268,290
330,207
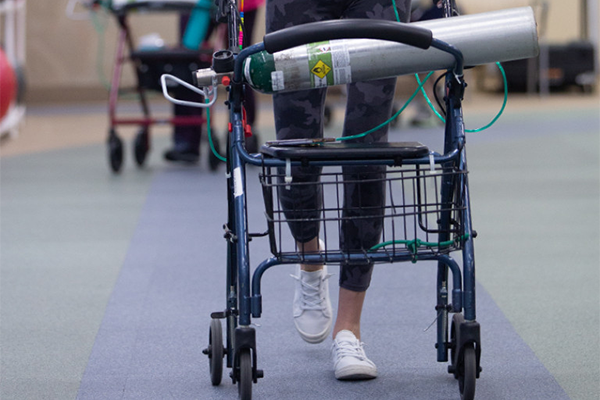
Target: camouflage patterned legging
x,y
299,115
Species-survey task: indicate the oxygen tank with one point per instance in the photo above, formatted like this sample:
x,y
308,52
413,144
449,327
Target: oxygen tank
x,y
483,38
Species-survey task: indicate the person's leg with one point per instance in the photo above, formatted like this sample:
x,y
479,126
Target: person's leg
x,y
186,138
350,306
312,246
369,104
299,115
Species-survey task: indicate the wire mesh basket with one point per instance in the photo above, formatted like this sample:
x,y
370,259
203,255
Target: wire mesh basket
x,y
413,221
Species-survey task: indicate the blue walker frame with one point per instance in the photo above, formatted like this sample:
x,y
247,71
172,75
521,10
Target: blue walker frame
x,y
244,299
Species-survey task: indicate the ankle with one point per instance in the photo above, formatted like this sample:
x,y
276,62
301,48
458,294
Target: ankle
x,y
311,267
355,331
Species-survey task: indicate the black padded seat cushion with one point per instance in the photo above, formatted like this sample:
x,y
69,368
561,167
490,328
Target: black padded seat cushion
x,y
346,151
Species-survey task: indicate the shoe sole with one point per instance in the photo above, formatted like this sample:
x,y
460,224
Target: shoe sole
x,y
354,373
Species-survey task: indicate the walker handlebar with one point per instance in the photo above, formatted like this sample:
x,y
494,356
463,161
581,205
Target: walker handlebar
x,y
347,29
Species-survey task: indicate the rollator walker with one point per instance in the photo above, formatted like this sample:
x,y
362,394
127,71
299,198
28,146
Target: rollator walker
x,y
426,216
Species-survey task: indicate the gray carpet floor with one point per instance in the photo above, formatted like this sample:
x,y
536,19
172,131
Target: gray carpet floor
x,y
107,282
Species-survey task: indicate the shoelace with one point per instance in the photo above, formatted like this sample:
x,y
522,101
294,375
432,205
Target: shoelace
x,y
347,348
311,295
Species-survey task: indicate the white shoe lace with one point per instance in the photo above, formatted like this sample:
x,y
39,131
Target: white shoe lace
x,y
348,348
311,296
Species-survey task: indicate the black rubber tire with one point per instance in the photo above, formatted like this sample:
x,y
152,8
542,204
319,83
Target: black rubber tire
x,y
115,152
468,377
215,352
141,146
213,161
245,378
454,344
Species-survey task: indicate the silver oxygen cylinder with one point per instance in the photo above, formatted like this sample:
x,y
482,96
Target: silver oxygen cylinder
x,y
484,38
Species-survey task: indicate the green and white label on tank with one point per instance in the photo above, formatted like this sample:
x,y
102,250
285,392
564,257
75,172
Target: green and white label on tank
x,y
329,63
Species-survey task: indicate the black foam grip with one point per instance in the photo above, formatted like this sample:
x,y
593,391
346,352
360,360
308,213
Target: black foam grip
x,y
348,29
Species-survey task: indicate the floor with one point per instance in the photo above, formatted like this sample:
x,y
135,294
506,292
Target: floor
x,y
107,281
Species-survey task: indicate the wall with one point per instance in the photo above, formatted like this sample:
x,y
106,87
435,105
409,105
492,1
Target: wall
x,y
63,54
563,23
73,59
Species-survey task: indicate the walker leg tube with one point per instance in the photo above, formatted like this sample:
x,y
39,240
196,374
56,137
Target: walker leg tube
x,y
441,308
238,175
468,253
455,136
444,263
231,285
116,77
136,67
448,188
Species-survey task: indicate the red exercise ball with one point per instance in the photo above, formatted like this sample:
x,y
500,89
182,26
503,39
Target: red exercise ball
x,y
8,84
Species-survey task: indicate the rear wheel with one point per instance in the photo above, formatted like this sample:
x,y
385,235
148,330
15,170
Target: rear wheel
x,y
215,352
115,151
141,146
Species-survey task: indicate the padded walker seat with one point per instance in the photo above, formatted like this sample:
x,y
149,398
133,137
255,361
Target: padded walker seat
x,y
329,150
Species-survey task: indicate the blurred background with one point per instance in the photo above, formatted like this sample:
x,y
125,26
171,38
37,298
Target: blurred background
x,y
62,53
67,56
63,56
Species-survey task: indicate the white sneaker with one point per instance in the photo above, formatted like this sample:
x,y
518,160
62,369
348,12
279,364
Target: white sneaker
x,y
349,359
312,307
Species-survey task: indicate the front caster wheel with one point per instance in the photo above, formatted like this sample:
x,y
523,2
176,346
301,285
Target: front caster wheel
x,y
215,352
245,378
464,348
466,380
